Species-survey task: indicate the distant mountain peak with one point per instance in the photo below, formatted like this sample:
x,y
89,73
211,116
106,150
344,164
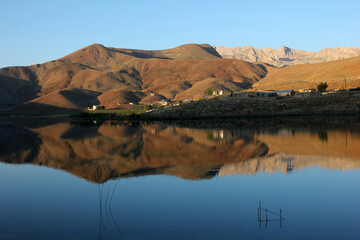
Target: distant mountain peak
x,y
285,56
285,50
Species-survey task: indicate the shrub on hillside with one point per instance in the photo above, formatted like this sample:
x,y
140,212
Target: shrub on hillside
x,y
322,87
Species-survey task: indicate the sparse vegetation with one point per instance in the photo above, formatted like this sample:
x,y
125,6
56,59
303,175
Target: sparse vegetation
x,y
210,136
321,87
147,107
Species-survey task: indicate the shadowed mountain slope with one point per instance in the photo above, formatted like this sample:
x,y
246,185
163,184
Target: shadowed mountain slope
x,y
69,98
118,99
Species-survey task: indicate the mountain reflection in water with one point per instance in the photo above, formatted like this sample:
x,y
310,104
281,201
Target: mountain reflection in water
x,y
108,150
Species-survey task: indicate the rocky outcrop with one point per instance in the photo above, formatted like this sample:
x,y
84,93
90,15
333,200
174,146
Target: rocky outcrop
x,y
285,56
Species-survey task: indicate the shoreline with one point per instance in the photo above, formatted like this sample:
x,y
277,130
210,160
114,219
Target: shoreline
x,y
225,107
263,107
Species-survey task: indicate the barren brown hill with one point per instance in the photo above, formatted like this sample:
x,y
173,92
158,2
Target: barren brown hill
x,y
97,68
17,85
335,73
118,99
152,98
69,98
172,77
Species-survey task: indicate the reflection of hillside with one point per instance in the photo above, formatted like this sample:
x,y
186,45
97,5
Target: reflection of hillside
x,y
334,143
190,149
92,156
98,153
290,150
18,144
287,163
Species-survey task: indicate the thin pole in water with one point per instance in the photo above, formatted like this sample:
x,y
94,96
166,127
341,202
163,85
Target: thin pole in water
x,y
260,209
266,214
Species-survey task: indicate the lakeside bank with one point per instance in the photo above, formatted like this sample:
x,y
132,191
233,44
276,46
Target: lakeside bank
x,y
222,107
343,103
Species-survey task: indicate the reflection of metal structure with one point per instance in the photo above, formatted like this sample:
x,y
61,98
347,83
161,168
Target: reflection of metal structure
x,y
108,211
278,216
289,166
218,134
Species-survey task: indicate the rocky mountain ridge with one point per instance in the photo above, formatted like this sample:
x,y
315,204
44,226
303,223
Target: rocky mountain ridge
x,y
286,56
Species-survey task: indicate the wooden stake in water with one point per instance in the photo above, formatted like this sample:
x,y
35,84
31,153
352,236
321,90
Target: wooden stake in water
x,y
266,214
260,209
266,218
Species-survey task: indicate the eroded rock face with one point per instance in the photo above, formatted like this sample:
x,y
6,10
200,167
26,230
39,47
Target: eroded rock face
x,y
285,56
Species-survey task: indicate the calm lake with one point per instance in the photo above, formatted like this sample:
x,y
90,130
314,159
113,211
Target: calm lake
x,y
63,179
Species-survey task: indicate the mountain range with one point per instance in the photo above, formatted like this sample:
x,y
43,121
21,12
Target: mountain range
x,y
286,56
118,78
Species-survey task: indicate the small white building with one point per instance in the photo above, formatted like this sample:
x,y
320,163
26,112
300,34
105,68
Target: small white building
x,y
307,90
216,93
96,107
163,102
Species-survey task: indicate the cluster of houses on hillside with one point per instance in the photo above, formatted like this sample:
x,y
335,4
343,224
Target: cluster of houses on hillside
x,y
303,93
279,93
271,93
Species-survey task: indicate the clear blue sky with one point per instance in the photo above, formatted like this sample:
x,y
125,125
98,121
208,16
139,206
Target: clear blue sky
x,y
39,31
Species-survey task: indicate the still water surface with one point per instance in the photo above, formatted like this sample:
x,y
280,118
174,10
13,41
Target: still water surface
x,y
118,180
